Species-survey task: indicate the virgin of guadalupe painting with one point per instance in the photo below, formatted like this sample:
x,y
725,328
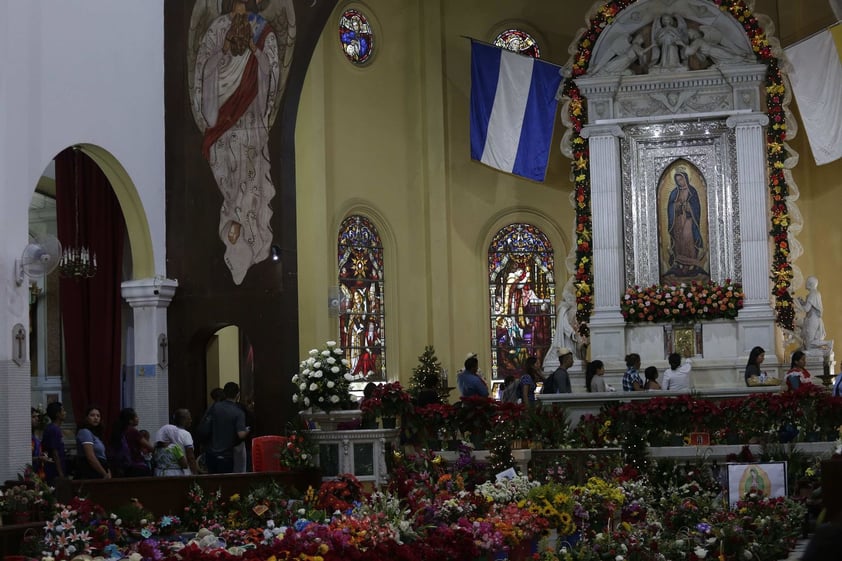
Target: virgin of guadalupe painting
x,y
683,224
239,58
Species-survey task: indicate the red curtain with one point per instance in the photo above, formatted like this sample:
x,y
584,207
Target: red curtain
x,y
91,308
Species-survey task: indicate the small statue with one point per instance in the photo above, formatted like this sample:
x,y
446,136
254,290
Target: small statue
x,y
625,53
669,36
705,44
812,328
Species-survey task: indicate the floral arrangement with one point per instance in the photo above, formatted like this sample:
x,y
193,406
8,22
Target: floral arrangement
x,y
430,422
340,494
80,527
323,380
388,400
297,452
553,502
683,302
474,415
776,155
23,498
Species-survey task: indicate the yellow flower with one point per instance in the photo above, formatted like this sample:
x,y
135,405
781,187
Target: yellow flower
x,y
235,497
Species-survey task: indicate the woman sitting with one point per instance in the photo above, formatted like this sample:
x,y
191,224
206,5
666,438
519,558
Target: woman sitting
x,y
92,463
170,456
595,376
652,383
797,373
128,446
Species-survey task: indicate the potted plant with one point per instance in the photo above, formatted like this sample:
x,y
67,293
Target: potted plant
x,y
429,424
323,388
474,418
19,502
389,401
296,452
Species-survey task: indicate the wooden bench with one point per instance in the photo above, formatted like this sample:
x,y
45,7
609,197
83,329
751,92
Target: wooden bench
x,y
168,495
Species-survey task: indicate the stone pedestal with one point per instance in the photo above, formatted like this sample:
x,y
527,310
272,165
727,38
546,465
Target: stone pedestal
x,y
359,452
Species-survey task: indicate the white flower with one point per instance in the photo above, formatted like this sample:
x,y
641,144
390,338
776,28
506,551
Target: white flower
x,y
303,386
321,398
348,376
331,360
325,353
331,343
338,352
700,552
318,374
295,398
317,365
295,379
334,399
345,362
619,558
306,401
313,352
314,386
335,369
330,384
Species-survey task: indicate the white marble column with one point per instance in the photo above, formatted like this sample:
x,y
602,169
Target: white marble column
x,y
607,324
757,319
147,365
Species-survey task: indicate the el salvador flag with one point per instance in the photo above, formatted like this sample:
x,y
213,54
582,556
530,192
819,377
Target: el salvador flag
x,y
513,108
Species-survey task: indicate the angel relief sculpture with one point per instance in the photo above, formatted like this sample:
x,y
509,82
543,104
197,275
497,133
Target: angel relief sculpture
x,y
238,64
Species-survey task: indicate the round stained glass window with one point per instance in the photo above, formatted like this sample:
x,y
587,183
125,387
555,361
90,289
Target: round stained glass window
x,y
356,37
518,41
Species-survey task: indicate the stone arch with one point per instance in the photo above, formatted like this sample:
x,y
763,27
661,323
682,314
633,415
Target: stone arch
x,y
134,214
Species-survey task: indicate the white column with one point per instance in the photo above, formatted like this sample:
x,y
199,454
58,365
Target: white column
x,y
757,319
607,324
149,299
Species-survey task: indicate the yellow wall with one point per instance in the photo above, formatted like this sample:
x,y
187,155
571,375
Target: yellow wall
x,y
390,141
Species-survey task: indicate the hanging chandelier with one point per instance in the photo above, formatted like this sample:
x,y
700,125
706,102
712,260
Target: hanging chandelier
x,y
77,261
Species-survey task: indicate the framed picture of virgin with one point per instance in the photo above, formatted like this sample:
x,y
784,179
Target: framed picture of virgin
x,y
683,248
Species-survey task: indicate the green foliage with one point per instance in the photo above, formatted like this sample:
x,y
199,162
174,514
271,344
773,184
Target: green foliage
x,y
429,368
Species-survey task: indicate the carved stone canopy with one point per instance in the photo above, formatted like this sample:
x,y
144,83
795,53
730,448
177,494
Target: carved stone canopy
x,y
664,36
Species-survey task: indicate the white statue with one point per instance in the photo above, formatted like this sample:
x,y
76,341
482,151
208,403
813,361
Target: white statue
x,y
567,329
625,51
706,44
669,35
812,328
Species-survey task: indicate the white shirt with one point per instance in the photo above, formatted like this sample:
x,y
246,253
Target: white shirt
x,y
678,379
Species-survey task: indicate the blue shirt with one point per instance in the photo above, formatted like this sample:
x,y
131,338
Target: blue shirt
x,y
85,436
629,378
470,384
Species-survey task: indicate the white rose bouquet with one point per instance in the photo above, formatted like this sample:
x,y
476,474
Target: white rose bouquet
x,y
323,380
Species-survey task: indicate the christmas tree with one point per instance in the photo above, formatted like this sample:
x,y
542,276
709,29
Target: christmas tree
x,y
427,374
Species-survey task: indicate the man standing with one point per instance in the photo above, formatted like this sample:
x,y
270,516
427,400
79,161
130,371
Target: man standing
x,y
469,381
559,380
228,428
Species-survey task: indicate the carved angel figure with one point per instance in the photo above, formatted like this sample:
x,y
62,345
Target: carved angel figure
x,y
238,64
625,53
669,35
705,44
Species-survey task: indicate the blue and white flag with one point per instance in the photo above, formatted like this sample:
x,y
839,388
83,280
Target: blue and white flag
x,y
513,110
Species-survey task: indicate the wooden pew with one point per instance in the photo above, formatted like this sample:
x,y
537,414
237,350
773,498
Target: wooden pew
x,y
168,495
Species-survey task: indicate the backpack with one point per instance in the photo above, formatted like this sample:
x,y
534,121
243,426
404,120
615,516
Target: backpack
x,y
204,430
551,383
511,393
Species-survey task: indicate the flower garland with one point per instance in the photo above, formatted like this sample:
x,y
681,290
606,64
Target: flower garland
x,y
683,302
781,269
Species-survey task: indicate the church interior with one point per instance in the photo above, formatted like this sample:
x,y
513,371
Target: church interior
x,y
350,208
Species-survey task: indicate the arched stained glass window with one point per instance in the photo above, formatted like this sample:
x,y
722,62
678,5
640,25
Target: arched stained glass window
x,y
361,320
518,41
521,288
356,36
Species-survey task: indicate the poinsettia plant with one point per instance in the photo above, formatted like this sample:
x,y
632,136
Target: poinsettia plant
x,y
388,400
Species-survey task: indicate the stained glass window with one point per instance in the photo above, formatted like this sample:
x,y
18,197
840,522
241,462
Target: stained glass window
x,y
361,284
518,41
522,297
356,36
